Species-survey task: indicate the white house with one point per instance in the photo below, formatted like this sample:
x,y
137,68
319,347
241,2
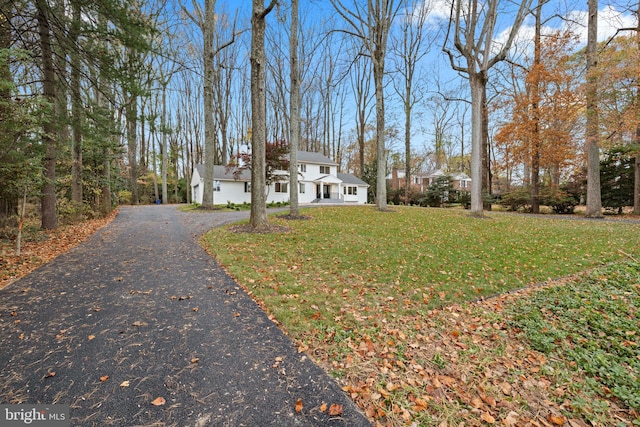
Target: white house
x,y
318,179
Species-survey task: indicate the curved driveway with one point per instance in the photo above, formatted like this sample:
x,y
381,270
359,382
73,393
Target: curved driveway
x,y
140,311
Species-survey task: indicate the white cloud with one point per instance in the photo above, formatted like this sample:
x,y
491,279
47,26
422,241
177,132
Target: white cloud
x,y
609,21
438,11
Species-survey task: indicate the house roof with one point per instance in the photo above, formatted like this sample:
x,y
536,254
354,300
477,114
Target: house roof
x,y
347,178
461,176
221,173
312,157
328,179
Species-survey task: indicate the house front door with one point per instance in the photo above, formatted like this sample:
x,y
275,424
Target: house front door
x,y
318,191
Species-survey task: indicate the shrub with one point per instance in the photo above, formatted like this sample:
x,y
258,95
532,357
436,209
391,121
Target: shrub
x,y
124,197
559,200
617,178
516,200
438,193
399,197
464,198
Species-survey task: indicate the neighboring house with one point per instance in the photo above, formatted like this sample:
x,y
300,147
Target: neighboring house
x,y
420,181
318,180
461,181
397,180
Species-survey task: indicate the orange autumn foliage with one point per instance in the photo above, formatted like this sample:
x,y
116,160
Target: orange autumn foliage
x,y
543,111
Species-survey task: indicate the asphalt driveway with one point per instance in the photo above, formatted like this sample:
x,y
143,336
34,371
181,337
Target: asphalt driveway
x,y
138,312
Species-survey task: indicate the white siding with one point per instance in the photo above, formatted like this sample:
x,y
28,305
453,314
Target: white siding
x,y
233,191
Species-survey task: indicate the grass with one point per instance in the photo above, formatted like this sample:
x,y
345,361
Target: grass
x,y
228,207
408,260
376,299
592,326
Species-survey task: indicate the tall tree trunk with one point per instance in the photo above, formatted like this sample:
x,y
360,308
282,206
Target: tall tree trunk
x,y
48,199
636,163
594,201
105,175
209,125
163,129
59,32
473,37
132,116
535,101
294,112
361,143
381,152
8,203
76,111
143,165
636,183
486,150
478,83
407,141
258,217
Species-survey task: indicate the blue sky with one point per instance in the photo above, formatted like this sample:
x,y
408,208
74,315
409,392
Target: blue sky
x,y
320,13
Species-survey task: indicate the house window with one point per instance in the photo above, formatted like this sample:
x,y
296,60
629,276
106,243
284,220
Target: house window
x,y
350,190
302,188
463,183
281,187
247,187
302,167
325,169
216,185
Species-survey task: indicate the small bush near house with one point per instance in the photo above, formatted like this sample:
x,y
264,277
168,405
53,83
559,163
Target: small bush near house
x,y
439,193
464,198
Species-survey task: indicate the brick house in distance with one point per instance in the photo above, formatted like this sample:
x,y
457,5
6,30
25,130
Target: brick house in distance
x,y
420,181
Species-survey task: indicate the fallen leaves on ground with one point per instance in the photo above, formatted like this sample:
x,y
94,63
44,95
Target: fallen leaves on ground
x,y
46,246
158,401
335,410
412,370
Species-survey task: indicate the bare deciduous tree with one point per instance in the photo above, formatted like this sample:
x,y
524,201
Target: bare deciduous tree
x,y
258,216
294,112
594,200
371,24
410,47
471,30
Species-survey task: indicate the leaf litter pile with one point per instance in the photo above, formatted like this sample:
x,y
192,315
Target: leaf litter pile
x,y
412,349
40,247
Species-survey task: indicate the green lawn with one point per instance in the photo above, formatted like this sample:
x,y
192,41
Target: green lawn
x,y
411,259
380,300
